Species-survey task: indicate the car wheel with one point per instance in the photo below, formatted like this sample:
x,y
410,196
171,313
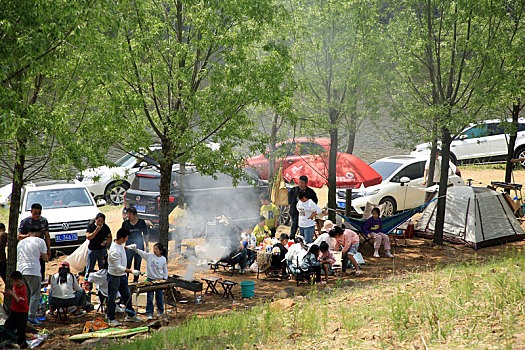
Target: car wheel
x,y
284,215
390,206
115,192
520,153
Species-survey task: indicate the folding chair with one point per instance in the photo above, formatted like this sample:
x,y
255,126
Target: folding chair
x,y
301,276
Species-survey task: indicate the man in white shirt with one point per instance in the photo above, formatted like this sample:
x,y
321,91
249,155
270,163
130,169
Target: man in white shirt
x,y
118,278
437,169
28,254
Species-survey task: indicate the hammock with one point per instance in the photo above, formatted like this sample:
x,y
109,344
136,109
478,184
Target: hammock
x,y
390,223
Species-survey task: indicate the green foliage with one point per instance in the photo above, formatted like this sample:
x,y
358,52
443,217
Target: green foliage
x,y
184,73
473,305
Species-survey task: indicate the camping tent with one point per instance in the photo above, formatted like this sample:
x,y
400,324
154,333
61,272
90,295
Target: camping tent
x,y
476,216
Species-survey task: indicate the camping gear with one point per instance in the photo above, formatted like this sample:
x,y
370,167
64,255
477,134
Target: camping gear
x,y
109,333
227,286
279,190
247,289
77,260
476,216
351,172
211,287
390,223
38,339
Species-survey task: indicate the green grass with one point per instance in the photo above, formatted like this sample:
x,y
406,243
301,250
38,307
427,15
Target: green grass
x,y
473,305
495,166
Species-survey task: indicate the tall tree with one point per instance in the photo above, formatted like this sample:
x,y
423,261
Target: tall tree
x,y
46,128
186,70
440,51
335,42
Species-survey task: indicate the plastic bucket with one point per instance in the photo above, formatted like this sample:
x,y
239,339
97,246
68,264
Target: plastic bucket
x,y
247,289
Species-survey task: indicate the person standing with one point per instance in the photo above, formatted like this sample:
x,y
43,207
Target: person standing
x,y
17,319
118,280
36,223
3,257
307,210
28,252
270,212
138,232
292,202
99,235
437,170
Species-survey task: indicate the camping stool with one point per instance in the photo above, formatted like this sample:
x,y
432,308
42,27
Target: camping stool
x,y
211,288
228,285
102,307
61,313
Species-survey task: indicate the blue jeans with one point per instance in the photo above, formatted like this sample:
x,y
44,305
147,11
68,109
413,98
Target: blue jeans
x,y
159,297
307,233
94,256
118,284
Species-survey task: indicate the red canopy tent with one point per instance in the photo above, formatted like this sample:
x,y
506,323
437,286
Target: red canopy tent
x,y
351,172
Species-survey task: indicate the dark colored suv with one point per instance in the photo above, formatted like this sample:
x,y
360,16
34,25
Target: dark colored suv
x,y
205,196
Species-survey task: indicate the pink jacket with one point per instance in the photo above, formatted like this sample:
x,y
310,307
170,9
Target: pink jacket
x,y
347,239
329,255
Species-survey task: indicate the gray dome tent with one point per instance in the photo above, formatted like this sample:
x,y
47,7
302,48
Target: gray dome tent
x,y
477,216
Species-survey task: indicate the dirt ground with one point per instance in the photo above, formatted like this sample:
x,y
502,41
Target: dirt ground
x,y
417,255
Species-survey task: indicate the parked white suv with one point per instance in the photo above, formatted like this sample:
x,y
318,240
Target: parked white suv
x,y
397,195
68,208
482,142
111,183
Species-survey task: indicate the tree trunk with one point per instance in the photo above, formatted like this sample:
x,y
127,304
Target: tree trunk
x,y
512,142
271,152
14,209
431,169
166,164
443,183
351,141
332,165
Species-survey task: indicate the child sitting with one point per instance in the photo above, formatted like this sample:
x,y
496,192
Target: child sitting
x,y
270,212
327,235
157,269
327,259
373,227
279,252
295,254
261,231
311,262
17,319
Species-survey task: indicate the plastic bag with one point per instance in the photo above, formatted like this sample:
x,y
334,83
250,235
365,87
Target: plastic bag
x,y
359,258
77,260
254,267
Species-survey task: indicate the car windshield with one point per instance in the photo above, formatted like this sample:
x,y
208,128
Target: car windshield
x,y
59,198
385,169
126,160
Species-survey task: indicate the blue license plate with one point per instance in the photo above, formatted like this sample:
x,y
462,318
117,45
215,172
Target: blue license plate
x,y
140,208
66,237
341,204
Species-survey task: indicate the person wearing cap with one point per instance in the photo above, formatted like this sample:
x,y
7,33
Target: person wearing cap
x,y
292,202
29,251
65,291
327,235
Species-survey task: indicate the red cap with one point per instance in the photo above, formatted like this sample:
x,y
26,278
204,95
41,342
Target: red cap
x,y
64,264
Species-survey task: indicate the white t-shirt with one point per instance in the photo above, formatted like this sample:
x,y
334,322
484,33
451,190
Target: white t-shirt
x,y
325,237
117,260
306,209
64,290
295,253
100,278
28,253
156,266
437,169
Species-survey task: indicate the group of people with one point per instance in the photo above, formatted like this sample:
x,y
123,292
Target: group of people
x,y
304,256
115,258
